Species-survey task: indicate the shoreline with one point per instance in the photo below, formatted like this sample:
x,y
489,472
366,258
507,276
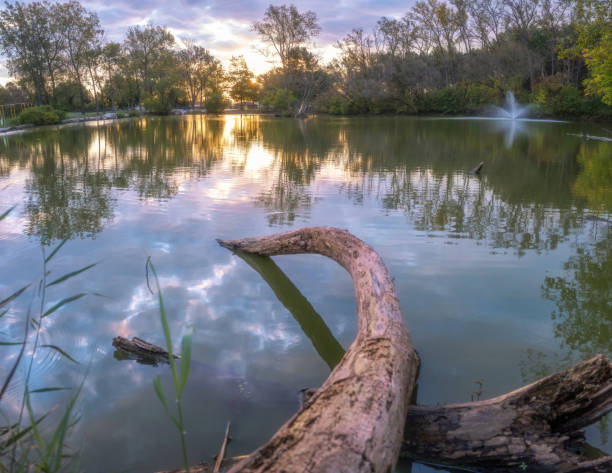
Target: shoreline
x,y
111,116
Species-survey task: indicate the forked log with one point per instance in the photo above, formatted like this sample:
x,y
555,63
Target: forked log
x,y
355,420
353,423
535,428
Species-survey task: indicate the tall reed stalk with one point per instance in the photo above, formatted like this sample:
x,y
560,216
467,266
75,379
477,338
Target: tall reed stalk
x,y
179,378
24,445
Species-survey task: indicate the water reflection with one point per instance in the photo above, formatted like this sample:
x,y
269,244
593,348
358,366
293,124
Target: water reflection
x,y
324,342
168,187
418,167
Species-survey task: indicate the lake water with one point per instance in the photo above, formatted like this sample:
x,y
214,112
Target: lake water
x,y
502,277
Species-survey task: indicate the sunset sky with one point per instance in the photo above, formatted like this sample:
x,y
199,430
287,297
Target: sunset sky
x,y
223,26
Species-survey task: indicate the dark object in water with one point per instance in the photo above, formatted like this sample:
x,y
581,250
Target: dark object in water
x,y
140,350
478,168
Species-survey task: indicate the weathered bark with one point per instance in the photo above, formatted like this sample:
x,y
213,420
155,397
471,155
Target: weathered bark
x,y
535,428
355,421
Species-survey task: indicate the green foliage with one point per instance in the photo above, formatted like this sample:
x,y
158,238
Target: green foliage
x,y
557,98
215,102
547,93
594,42
478,96
156,106
24,444
279,101
242,87
42,115
448,100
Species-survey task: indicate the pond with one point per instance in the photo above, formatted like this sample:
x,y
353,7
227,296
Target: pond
x,y
502,277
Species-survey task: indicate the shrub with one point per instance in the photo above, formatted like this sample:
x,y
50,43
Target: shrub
x,y
446,100
155,105
42,115
558,98
279,100
215,102
478,96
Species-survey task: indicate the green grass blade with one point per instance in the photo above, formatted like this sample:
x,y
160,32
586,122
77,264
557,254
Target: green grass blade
x,y
57,248
37,436
159,390
13,296
18,435
63,302
62,352
70,275
3,313
56,447
11,343
46,390
8,379
186,343
7,212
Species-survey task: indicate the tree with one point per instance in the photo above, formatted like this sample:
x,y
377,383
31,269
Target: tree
x,y
28,40
195,65
81,33
595,43
110,59
146,49
284,28
242,81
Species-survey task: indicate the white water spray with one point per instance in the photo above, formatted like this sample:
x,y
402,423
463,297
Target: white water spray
x,y
512,110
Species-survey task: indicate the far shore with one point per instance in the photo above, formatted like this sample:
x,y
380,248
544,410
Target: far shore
x,y
110,116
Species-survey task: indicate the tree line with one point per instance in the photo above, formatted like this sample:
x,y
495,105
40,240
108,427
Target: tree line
x,y
442,56
58,55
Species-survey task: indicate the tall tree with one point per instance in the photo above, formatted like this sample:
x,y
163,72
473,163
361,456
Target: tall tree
x,y
595,43
82,35
146,48
242,80
28,39
110,59
284,28
195,66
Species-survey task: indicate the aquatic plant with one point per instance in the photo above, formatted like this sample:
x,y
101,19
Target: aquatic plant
x,y
24,444
179,378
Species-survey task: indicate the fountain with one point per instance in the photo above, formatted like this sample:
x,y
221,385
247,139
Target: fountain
x,y
512,109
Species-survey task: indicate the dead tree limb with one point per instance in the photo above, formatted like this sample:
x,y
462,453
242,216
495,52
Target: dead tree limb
x,y
535,428
355,421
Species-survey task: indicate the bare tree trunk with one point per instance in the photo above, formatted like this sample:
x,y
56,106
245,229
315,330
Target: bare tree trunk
x,y
355,421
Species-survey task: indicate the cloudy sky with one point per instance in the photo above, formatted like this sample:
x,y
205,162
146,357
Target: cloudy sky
x,y
223,26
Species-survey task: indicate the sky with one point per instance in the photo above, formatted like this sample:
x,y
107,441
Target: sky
x,y
223,26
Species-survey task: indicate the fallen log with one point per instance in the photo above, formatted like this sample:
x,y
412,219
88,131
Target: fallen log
x,y
354,422
535,428
140,350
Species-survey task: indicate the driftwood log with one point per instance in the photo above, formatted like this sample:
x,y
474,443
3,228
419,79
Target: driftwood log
x,y
535,428
354,422
140,350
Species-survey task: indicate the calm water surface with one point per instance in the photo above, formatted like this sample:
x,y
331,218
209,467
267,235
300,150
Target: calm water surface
x,y
502,278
